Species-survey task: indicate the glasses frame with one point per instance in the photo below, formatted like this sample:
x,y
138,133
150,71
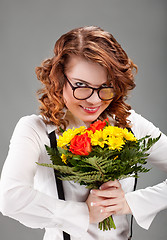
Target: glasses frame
x,y
94,89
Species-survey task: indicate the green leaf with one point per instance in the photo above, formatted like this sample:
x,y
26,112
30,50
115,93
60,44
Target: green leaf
x,y
62,169
54,155
61,130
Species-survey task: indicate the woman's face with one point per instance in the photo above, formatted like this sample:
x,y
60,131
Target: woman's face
x,y
81,72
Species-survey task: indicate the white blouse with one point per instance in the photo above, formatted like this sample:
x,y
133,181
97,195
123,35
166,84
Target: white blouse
x,y
28,192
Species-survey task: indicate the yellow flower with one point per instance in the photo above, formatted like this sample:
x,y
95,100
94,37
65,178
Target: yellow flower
x,y
65,138
64,159
79,130
98,138
115,143
68,136
90,133
113,131
128,135
115,157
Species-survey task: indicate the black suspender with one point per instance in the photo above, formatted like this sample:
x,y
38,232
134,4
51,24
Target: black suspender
x,y
53,144
135,184
131,222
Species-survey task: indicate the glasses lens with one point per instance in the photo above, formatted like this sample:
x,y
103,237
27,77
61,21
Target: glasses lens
x,y
106,93
82,93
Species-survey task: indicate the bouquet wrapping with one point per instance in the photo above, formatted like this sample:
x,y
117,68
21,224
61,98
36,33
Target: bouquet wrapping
x,y
100,153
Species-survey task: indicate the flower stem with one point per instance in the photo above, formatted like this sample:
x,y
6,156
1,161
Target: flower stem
x,y
107,224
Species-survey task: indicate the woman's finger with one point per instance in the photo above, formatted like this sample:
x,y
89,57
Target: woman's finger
x,y
108,193
108,202
115,209
109,184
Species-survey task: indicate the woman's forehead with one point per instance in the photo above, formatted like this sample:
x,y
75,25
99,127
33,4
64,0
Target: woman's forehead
x,y
83,69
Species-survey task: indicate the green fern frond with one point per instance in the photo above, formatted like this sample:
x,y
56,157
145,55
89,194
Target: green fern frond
x,y
54,155
62,169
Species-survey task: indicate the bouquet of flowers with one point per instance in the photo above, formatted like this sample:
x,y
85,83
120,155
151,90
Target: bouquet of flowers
x,y
94,155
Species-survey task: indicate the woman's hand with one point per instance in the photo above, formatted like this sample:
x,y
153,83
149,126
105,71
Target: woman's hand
x,y
108,200
96,213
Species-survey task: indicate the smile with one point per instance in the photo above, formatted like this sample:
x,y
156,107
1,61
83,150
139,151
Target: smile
x,y
90,109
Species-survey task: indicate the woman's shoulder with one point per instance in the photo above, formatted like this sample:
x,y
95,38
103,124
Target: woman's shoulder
x,y
134,115
31,125
32,120
142,126
33,128
137,118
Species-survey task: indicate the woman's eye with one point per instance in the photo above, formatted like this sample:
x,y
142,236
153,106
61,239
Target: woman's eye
x,y
80,84
104,85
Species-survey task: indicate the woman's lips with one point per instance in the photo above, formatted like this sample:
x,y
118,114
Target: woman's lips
x,y
90,109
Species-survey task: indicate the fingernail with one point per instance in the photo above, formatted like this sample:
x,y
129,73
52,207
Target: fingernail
x,y
100,188
92,204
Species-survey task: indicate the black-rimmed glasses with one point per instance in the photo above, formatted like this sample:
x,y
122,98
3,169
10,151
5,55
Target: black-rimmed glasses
x,y
82,92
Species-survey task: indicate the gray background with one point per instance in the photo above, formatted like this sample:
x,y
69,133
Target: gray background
x,y
28,31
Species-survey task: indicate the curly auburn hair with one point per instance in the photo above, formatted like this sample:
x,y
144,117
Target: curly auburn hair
x,y
99,46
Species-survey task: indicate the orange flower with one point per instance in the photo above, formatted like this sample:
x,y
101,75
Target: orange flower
x,y
98,125
81,144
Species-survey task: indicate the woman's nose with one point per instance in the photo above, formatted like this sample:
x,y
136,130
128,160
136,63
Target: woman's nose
x,y
94,99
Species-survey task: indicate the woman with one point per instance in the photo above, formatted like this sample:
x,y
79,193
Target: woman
x,y
88,78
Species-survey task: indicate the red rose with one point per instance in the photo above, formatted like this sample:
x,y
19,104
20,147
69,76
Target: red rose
x,y
81,144
98,125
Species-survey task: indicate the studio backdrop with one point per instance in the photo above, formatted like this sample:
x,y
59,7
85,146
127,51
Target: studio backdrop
x,y
28,32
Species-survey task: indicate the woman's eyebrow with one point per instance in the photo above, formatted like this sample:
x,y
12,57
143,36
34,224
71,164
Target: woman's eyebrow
x,y
81,80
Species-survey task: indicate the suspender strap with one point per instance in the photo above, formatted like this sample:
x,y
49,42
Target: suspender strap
x,y
53,144
131,223
135,184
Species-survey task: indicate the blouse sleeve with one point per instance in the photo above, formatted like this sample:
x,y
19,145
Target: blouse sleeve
x,y
19,199
146,203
